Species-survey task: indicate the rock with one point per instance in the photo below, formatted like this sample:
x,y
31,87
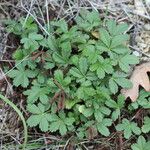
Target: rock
x,y
143,45
147,27
136,53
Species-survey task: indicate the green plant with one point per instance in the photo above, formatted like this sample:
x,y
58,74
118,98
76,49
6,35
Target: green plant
x,y
143,101
146,126
72,77
128,128
141,144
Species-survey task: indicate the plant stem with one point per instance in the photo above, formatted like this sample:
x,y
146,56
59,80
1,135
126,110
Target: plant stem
x,y
20,115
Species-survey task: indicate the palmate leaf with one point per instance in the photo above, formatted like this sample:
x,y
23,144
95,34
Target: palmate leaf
x,y
88,20
61,25
74,36
31,42
63,56
116,105
28,25
126,61
81,70
118,79
60,122
141,144
102,67
103,125
115,29
100,112
128,128
21,75
59,77
37,92
84,92
38,117
142,101
82,130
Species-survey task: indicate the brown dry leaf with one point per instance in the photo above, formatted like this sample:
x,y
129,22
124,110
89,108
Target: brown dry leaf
x,y
138,78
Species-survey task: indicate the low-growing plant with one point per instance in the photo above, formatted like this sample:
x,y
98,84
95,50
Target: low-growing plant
x,y
141,144
71,77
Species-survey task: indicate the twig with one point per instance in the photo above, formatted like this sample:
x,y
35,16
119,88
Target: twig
x,y
138,50
35,19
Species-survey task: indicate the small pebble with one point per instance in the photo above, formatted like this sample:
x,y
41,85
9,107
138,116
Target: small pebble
x,y
136,53
143,45
147,27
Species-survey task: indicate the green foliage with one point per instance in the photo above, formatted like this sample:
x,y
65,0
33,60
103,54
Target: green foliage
x,y
117,106
39,116
128,128
61,123
141,144
143,101
21,75
71,77
146,126
103,126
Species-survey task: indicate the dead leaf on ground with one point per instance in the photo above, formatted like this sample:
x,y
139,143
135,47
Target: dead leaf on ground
x,y
138,78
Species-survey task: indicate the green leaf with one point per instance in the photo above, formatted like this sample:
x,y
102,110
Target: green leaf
x,y
123,82
43,125
76,72
115,29
103,126
34,120
61,24
120,49
52,43
88,20
69,121
33,109
59,59
146,126
111,25
102,68
58,75
36,92
60,122
18,54
121,28
126,60
98,115
129,128
54,126
105,37
31,42
83,66
119,40
141,144
63,129
113,86
117,106
85,92
66,49
21,76
87,112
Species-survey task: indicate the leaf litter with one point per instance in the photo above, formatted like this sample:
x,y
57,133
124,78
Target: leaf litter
x,y
138,78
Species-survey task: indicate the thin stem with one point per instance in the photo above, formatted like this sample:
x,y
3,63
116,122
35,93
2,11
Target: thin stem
x,y
6,100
